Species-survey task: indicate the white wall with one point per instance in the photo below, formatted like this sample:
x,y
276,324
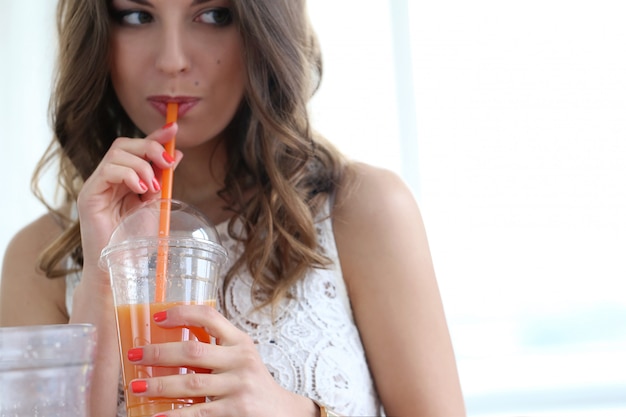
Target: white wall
x,y
26,48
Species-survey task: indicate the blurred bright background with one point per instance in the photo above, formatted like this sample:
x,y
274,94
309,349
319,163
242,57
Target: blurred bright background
x,y
507,119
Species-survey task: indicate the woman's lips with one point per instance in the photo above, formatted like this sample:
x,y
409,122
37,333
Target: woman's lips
x,y
184,103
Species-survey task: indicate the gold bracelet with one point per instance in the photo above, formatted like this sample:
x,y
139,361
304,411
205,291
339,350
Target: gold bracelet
x,y
325,412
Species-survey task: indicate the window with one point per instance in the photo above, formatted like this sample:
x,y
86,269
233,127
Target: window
x,y
517,163
521,138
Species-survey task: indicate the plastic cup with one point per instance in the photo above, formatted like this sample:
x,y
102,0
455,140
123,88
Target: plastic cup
x,y
194,258
46,370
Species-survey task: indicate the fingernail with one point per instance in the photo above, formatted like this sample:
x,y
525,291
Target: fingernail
x,y
160,316
168,158
139,386
143,185
135,354
156,185
170,124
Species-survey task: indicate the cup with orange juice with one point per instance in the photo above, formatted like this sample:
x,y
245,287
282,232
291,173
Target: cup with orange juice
x,y
151,272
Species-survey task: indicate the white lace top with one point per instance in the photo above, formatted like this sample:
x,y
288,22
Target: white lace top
x,y
312,347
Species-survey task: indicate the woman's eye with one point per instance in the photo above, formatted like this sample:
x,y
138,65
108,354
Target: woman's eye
x,y
132,17
218,16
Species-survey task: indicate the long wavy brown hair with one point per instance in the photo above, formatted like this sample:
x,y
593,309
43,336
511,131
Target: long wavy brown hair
x,y
272,147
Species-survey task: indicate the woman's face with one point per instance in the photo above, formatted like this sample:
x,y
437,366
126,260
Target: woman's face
x,y
188,51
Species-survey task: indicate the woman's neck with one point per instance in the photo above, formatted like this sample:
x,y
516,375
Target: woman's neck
x,y
199,177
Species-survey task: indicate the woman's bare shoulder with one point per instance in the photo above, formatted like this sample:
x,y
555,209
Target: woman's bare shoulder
x,y
386,264
27,296
368,191
34,236
374,213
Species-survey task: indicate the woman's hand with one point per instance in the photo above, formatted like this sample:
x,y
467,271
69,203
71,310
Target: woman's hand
x,y
128,174
231,374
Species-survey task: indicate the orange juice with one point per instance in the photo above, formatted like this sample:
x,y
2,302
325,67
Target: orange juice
x,y
136,329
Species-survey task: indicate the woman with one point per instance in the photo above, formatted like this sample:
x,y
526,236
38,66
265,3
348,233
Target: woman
x,y
305,225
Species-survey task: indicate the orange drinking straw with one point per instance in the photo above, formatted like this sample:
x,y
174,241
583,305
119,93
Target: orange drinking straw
x,y
164,218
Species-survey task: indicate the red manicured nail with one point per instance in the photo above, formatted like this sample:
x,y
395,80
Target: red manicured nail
x,y
143,185
170,124
160,316
168,158
135,354
156,184
138,386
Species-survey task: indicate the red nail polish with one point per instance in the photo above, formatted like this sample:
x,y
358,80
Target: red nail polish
x,y
168,158
160,316
143,185
156,184
135,354
170,124
138,386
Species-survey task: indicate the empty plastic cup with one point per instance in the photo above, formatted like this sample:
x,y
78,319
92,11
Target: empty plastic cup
x,y
46,370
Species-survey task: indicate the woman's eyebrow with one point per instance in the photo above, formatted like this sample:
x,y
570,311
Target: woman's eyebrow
x,y
141,2
147,3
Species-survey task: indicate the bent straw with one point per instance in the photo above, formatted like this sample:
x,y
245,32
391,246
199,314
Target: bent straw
x,y
164,217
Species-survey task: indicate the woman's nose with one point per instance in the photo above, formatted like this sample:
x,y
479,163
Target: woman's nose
x,y
172,57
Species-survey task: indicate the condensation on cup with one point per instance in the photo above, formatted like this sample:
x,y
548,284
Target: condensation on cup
x,y
46,370
151,272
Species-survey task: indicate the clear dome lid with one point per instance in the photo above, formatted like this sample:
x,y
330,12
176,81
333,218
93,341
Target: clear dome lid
x,y
188,228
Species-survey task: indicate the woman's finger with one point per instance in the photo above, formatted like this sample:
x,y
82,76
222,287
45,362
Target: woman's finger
x,y
148,149
139,180
191,354
135,162
183,386
204,317
159,155
164,134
